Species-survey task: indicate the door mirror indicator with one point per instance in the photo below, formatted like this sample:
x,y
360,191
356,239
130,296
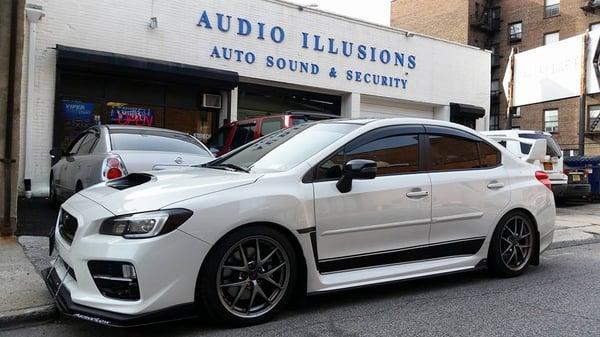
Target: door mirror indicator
x,y
361,169
57,153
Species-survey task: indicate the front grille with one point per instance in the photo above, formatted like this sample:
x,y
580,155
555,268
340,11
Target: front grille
x,y
67,226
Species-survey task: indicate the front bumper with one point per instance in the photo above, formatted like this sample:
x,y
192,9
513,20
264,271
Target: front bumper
x,y
167,267
64,303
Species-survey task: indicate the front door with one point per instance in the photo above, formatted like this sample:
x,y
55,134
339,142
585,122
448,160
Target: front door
x,y
371,224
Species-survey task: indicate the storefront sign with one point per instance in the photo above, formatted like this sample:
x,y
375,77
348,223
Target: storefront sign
x,y
399,62
128,115
77,117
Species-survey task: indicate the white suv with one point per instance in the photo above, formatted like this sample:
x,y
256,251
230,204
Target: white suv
x,y
519,143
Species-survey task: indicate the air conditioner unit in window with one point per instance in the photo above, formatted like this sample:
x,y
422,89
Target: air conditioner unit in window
x,y
551,129
211,101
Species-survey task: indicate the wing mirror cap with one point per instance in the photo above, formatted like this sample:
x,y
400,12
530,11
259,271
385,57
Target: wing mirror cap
x,y
361,169
57,153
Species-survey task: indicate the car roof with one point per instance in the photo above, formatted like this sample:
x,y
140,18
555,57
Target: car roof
x,y
513,133
135,127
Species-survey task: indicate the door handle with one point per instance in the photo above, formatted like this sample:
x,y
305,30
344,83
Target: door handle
x,y
417,194
495,185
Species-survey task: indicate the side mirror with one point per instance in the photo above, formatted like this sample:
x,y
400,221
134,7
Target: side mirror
x,y
537,151
356,169
57,153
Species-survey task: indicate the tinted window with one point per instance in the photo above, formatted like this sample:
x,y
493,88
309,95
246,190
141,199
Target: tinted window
x,y
453,153
270,125
525,148
74,147
393,155
552,149
244,133
488,155
87,144
145,140
218,140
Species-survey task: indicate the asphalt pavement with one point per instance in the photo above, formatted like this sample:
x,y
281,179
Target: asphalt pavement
x,y
561,297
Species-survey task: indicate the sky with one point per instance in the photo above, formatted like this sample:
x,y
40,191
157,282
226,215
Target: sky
x,y
376,11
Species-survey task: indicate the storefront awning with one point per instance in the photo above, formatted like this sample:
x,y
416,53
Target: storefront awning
x,y
126,65
466,111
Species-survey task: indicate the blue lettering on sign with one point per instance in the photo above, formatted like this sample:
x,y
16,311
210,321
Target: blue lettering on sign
x,y
317,43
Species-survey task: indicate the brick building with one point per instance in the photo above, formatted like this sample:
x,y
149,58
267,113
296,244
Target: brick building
x,y
500,25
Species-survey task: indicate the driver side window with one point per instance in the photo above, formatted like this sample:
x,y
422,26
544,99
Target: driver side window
x,y
394,154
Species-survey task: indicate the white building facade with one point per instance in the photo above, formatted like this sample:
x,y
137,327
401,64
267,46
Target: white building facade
x,y
203,62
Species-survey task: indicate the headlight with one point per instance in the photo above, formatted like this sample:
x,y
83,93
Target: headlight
x,y
145,225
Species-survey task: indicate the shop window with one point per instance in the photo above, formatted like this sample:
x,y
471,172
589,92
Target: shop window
x,y
551,8
551,120
551,38
594,118
453,153
515,32
244,133
80,85
129,91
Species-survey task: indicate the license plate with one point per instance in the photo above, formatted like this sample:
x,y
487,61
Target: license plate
x,y
548,166
576,177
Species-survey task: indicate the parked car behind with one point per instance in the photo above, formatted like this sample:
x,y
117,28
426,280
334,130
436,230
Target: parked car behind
x,y
238,133
519,143
107,152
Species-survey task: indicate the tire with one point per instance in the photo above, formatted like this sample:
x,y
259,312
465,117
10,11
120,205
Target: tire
x,y
231,304
513,245
78,187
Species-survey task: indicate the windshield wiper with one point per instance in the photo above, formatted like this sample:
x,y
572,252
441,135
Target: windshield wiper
x,y
229,166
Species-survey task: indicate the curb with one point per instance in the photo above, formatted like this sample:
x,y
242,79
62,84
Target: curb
x,y
28,315
572,243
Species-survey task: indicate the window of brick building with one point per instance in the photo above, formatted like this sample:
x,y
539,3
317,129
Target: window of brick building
x,y
551,120
515,31
551,8
551,37
594,118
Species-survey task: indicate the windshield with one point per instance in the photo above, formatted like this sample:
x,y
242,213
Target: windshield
x,y
154,140
552,149
286,148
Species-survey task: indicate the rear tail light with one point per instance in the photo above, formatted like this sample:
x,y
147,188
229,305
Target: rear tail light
x,y
287,121
543,178
113,168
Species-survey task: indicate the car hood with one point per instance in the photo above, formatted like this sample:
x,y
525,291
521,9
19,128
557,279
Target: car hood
x,y
157,189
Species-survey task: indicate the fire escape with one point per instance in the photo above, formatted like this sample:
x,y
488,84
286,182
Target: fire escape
x,y
486,20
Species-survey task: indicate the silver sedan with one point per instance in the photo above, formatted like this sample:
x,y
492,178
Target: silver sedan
x,y
107,152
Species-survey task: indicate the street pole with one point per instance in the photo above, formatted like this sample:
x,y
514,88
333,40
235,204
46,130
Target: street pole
x,y
509,94
582,97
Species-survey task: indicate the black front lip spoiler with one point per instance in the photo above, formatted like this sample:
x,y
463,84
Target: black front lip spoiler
x,y
67,307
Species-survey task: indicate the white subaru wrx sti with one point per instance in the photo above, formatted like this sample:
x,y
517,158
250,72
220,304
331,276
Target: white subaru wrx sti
x,y
314,208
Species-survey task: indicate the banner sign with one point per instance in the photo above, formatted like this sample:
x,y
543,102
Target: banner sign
x,y
77,116
128,115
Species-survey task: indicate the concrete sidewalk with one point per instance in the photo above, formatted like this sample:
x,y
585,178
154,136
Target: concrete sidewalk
x,y
23,295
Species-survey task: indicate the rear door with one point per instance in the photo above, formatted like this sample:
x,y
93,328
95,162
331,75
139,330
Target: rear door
x,y
470,188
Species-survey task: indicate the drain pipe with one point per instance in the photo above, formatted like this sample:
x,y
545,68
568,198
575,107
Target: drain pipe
x,y
34,14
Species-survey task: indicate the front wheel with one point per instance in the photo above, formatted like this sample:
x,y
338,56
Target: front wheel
x,y
512,245
248,277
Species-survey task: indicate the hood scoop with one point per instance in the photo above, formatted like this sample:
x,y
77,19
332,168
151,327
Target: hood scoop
x,y
131,180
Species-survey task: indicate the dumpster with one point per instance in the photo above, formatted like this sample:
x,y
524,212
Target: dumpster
x,y
589,168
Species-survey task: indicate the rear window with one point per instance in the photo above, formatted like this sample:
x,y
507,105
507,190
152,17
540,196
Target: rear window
x,y
151,140
552,149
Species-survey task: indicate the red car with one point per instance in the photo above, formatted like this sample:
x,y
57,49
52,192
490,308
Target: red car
x,y
238,133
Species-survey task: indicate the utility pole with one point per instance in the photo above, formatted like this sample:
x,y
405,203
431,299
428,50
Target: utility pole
x,y
11,15
583,95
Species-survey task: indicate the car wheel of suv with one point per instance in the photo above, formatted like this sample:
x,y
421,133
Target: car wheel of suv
x,y
248,277
512,245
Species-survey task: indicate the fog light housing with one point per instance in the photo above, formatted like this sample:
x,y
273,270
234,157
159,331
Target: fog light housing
x,y
115,279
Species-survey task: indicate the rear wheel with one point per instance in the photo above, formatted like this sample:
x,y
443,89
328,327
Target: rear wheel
x,y
52,193
248,277
512,246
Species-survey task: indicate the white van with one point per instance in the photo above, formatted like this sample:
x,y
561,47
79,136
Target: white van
x,y
552,164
